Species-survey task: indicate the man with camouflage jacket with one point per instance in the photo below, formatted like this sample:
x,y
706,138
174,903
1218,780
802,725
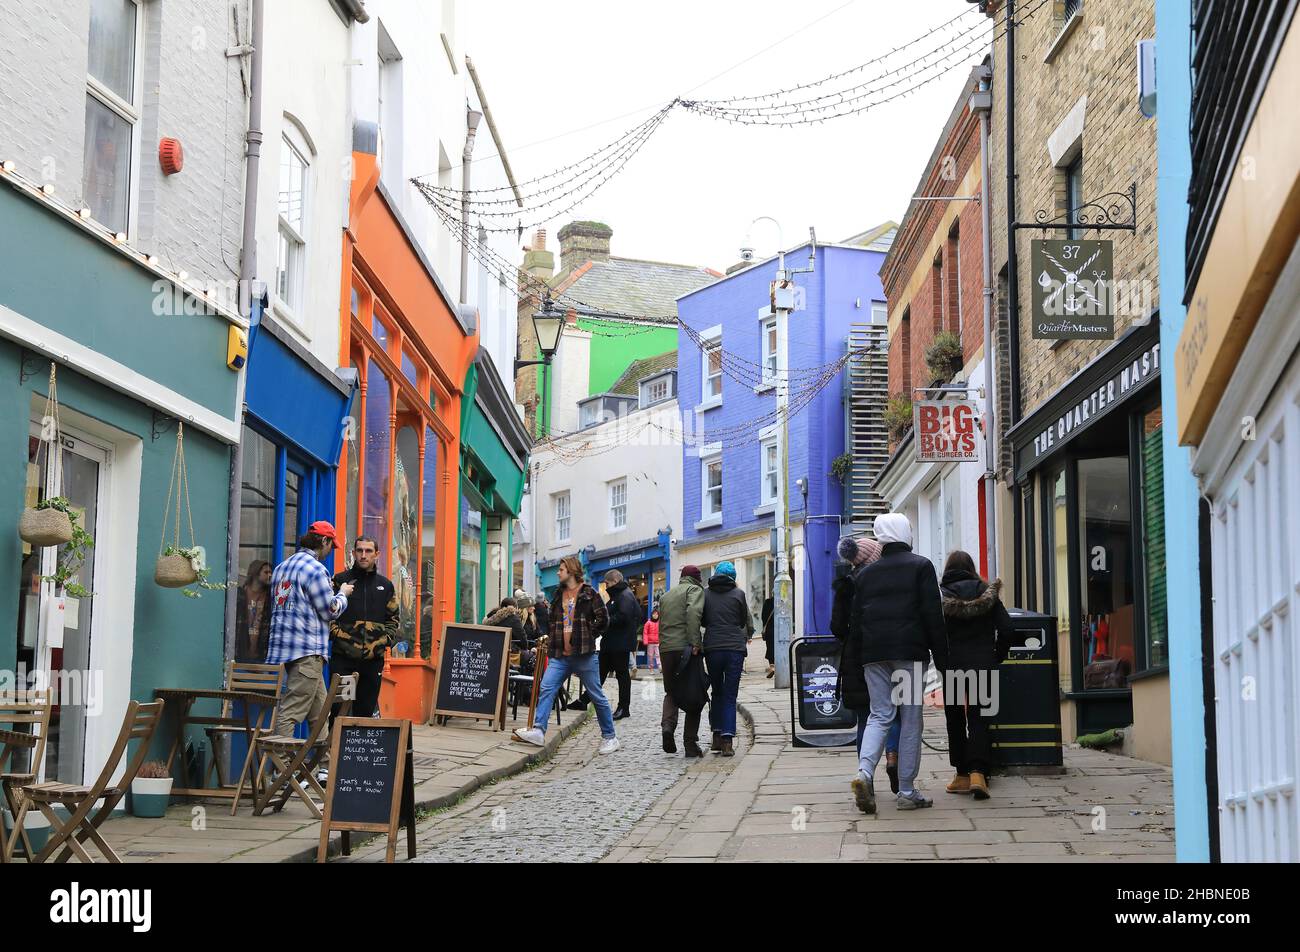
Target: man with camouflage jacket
x,y
368,626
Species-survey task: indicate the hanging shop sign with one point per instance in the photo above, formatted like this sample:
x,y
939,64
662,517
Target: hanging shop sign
x,y
1073,289
947,431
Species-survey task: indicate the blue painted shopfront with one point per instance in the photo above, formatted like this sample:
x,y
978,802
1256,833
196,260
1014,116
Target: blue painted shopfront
x,y
646,558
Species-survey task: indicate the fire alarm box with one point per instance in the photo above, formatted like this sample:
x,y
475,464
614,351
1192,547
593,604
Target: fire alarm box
x,y
236,349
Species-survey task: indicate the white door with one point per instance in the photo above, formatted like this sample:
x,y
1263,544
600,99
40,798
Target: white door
x,y
54,659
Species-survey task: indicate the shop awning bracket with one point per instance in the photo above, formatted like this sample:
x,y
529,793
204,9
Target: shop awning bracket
x,y
160,425
1104,213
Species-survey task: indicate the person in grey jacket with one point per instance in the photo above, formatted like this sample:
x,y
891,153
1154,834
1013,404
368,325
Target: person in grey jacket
x,y
728,626
680,611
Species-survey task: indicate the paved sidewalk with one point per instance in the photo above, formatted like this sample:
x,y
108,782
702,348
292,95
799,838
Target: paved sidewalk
x,y
450,763
787,804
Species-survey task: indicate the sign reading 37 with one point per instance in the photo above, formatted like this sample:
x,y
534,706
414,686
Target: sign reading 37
x,y
1073,289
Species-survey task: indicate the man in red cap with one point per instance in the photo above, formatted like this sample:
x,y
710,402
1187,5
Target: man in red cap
x,y
303,604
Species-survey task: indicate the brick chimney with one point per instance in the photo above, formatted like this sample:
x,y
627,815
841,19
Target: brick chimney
x,y
583,241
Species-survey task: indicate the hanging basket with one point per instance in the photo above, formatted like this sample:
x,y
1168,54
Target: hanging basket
x,y
42,527
174,571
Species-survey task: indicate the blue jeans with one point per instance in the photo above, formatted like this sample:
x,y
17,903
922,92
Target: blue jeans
x,y
724,679
587,668
891,739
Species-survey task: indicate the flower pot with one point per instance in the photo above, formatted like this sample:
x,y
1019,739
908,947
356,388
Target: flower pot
x,y
42,527
174,571
150,796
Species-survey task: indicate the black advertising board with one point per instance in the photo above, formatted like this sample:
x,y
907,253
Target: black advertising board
x,y
370,787
821,719
1073,289
473,663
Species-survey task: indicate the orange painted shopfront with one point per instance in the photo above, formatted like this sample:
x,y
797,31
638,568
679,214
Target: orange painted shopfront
x,y
398,482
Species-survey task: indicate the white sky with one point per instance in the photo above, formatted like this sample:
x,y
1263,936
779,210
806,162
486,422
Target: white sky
x,y
551,68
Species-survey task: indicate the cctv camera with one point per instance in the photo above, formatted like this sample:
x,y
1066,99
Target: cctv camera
x,y
746,254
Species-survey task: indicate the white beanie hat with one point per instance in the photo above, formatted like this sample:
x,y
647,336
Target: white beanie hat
x,y
893,527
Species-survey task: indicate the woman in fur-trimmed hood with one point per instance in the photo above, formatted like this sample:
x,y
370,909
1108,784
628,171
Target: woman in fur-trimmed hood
x,y
979,636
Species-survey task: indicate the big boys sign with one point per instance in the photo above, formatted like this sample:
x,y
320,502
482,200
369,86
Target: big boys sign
x,y
947,431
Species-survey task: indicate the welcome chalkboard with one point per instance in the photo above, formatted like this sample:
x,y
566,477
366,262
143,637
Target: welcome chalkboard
x,y
370,787
473,663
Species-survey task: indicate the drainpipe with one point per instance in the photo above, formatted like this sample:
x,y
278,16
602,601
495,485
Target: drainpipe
x,y
247,272
1013,289
982,102
472,117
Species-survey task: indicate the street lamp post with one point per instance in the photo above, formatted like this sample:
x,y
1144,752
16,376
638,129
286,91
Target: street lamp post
x,y
547,325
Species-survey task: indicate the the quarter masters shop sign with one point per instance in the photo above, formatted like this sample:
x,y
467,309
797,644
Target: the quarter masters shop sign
x,y
1073,283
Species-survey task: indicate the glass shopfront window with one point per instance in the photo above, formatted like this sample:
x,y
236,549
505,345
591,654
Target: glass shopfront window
x,y
428,536
292,498
352,463
1106,562
758,587
1056,579
376,512
405,525
257,502
467,579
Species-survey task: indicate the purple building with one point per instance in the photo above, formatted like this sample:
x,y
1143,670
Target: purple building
x,y
727,394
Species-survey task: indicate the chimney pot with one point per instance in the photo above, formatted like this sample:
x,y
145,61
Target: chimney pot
x,y
583,241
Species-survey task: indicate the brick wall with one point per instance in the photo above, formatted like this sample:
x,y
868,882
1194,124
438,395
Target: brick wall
x,y
1097,59
188,89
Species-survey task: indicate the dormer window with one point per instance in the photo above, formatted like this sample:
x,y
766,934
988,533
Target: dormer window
x,y
657,389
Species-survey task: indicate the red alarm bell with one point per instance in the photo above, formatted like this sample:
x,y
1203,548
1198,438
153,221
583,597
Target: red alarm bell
x,y
170,155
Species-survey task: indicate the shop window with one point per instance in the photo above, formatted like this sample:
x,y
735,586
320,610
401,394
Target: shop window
x,y
467,580
292,508
409,370
256,502
112,110
428,537
757,587
1106,567
405,568
379,330
352,440
1057,551
376,511
1153,539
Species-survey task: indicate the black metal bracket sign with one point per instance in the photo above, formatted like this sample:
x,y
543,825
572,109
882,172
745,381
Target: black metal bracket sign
x,y
1114,211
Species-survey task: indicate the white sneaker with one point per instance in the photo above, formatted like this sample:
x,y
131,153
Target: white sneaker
x,y
609,745
531,736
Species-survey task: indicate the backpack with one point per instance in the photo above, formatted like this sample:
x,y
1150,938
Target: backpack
x,y
691,689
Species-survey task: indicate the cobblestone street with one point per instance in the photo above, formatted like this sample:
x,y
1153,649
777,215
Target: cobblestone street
x,y
575,807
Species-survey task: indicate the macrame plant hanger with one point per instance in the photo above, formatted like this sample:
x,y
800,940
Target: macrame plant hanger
x,y
48,526
175,570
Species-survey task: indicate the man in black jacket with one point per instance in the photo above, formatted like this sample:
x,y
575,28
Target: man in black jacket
x,y
619,640
897,619
361,636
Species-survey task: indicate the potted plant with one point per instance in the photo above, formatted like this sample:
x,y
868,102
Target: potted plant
x,y
151,790
842,467
898,416
183,566
49,522
943,356
72,556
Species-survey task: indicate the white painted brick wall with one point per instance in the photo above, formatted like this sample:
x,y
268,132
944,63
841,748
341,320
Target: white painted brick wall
x,y
190,90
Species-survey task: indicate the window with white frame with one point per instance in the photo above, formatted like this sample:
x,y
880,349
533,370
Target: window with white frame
x,y
711,485
879,312
769,350
767,471
618,504
712,356
112,111
562,513
291,247
656,390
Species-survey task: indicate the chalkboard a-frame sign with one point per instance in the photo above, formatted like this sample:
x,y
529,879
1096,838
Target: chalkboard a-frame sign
x,y
370,788
473,664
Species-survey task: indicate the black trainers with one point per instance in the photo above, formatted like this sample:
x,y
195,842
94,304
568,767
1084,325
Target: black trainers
x,y
670,745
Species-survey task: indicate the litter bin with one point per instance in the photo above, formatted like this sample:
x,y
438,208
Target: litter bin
x,y
1027,727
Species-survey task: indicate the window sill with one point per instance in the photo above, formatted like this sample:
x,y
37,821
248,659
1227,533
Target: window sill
x,y
289,320
1066,31
708,405
709,522
1156,672
766,387
767,509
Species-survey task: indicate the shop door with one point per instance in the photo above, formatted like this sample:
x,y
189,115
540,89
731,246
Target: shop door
x,y
54,660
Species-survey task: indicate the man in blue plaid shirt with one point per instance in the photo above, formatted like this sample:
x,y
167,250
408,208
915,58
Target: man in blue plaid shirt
x,y
303,604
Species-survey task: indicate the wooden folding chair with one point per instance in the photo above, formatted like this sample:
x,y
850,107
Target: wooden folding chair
x,y
67,836
29,708
288,765
253,678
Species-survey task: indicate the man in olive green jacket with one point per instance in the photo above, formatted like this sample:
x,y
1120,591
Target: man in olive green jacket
x,y
679,632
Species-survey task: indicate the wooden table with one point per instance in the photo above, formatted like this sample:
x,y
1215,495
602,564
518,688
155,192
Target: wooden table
x,y
182,699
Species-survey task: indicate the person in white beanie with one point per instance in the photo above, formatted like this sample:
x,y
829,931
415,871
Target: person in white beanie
x,y
897,622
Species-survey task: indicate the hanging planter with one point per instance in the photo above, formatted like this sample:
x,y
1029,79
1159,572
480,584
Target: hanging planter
x,y
181,566
944,356
48,522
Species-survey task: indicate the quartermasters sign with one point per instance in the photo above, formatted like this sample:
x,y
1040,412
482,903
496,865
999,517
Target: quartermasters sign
x,y
1073,289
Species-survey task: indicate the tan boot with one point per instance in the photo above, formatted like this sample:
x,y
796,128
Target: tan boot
x,y
979,785
960,783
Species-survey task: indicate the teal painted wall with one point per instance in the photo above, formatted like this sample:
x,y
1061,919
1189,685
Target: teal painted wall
x,y
178,641
614,348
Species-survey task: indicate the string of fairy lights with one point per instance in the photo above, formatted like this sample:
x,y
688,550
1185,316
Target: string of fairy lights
x,y
929,56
